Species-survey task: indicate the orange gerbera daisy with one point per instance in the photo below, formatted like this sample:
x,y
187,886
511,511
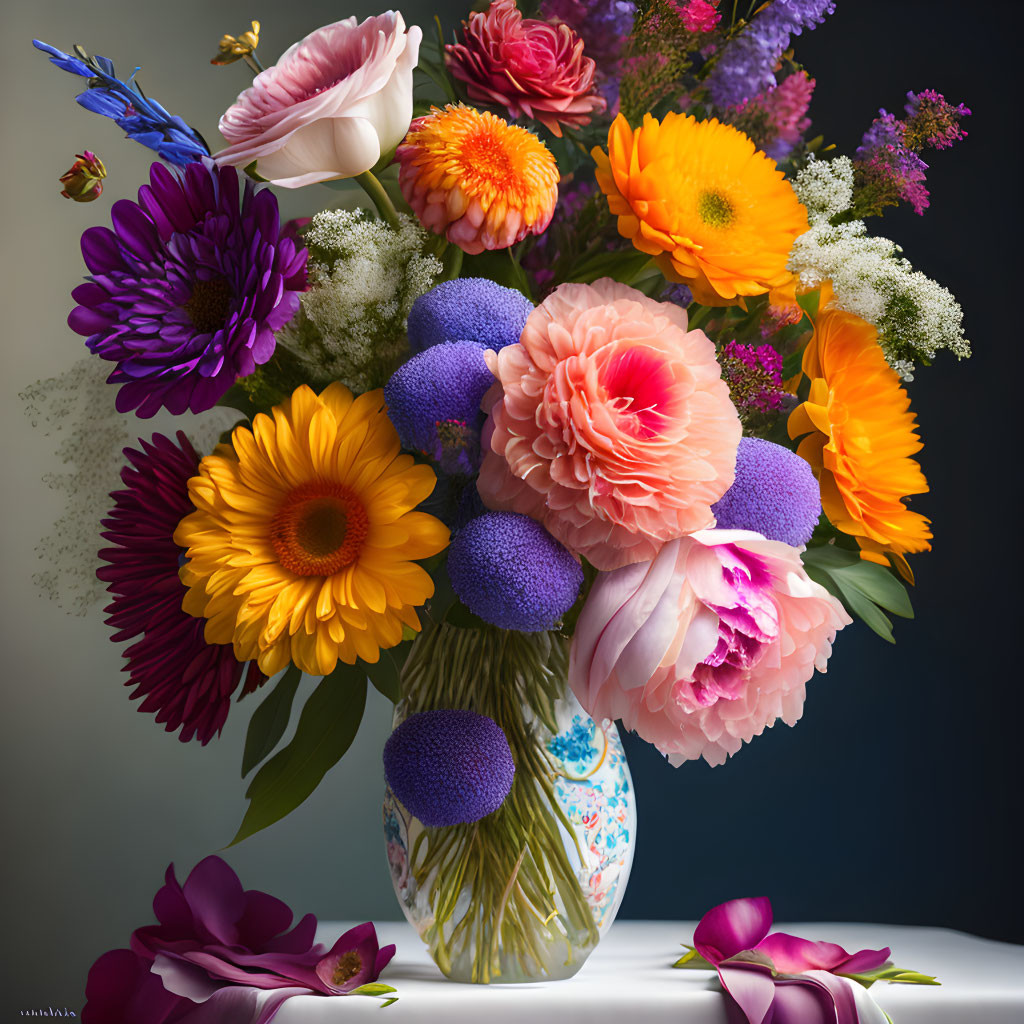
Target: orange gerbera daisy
x,y
860,436
698,196
473,177
302,544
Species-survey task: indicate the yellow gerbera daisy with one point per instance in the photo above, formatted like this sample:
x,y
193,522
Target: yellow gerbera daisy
x,y
860,436
301,545
698,196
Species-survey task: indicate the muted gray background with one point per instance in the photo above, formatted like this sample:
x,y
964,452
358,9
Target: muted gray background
x,y
907,788
97,799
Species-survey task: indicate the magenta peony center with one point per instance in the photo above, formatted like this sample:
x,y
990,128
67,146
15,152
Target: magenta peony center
x,y
747,626
640,386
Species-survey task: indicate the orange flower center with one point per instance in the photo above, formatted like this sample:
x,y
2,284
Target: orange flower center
x,y
348,967
488,158
319,529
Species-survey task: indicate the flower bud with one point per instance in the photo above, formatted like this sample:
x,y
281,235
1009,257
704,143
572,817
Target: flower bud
x,y
83,181
234,48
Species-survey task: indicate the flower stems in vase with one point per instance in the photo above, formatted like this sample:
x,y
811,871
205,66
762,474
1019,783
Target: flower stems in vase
x,y
504,890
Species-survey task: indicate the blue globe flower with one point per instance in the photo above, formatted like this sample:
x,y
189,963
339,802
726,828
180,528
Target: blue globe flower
x,y
507,569
434,402
468,309
774,493
449,767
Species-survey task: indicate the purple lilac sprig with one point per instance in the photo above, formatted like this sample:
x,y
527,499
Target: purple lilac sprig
x,y
888,165
747,64
141,118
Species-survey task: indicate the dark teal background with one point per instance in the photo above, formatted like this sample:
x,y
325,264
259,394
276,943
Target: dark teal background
x,y
898,796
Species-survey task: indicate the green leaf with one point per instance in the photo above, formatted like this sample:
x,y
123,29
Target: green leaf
x,y
865,588
692,960
327,726
270,719
373,988
386,675
879,585
394,999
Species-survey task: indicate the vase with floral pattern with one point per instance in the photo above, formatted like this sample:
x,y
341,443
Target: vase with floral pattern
x,y
526,893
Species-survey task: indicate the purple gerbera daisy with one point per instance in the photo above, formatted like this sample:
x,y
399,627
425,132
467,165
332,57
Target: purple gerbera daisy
x,y
185,680
187,290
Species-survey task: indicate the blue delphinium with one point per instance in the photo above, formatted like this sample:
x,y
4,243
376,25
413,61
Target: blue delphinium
x,y
747,65
142,119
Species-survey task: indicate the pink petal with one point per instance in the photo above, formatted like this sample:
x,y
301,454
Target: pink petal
x,y
733,927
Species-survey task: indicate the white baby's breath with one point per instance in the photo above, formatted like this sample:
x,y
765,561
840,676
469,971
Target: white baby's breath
x,y
364,278
915,316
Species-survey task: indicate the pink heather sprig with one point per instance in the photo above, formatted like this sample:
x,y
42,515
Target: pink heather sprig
x,y
888,164
931,122
696,15
754,376
776,118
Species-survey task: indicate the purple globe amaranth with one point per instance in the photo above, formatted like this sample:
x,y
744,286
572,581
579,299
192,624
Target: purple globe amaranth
x,y
507,569
449,766
774,494
434,402
468,309
187,290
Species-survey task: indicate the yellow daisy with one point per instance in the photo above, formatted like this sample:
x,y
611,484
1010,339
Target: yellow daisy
x,y
698,196
860,436
301,547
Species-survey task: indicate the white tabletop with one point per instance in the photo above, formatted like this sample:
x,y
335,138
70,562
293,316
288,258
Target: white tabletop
x,y
629,979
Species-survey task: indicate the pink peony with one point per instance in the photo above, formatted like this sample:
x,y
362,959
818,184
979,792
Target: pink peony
x,y
703,647
532,68
331,106
610,424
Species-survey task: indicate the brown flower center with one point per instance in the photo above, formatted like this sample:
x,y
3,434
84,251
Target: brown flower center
x,y
209,304
319,529
348,967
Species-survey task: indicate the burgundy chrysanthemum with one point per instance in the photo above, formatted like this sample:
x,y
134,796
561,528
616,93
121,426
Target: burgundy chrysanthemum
x,y
185,680
187,290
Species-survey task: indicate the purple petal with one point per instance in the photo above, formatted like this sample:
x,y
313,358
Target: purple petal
x,y
298,940
216,897
229,1006
733,927
800,1002
865,960
183,978
101,250
752,986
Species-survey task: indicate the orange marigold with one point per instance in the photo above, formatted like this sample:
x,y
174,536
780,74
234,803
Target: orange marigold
x,y
473,177
860,436
714,211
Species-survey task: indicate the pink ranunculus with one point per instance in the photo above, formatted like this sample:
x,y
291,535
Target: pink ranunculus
x,y
610,424
702,648
532,68
331,106
784,978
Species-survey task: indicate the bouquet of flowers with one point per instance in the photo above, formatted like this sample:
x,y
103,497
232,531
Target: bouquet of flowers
x,y
594,411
